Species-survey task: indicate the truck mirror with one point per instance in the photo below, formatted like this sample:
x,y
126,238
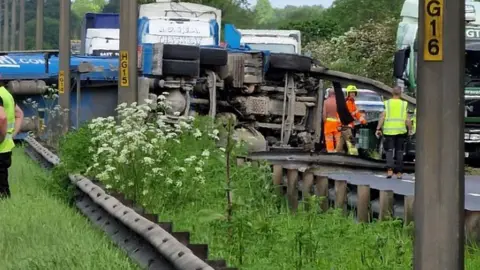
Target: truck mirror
x,y
400,62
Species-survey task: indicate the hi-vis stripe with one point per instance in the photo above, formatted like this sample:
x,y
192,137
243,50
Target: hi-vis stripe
x,y
10,129
390,119
333,119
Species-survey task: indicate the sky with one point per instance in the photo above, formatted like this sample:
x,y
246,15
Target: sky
x,y
283,3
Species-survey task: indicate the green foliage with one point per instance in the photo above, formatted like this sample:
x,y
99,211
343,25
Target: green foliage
x,y
354,13
264,12
38,231
314,29
180,172
73,150
75,158
367,50
80,7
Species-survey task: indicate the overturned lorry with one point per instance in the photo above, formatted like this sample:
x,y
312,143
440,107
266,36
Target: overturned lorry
x,y
275,98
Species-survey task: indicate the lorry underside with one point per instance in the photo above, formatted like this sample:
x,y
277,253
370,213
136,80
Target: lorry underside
x,y
271,97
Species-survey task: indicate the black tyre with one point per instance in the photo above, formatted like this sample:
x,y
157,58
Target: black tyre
x,y
291,62
181,52
213,57
181,68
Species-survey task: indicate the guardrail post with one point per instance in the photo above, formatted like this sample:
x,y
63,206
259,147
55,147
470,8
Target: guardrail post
x,y
472,225
292,192
277,175
277,179
408,209
363,203
321,190
386,204
341,194
240,161
307,178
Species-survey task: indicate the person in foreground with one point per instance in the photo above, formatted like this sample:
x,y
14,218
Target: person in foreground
x,y
394,124
11,117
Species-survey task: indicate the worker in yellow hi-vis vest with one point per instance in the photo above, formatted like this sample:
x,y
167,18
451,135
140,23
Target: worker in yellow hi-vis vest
x,y
11,117
395,126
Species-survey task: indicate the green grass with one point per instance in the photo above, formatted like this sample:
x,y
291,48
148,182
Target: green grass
x,y
261,233
40,231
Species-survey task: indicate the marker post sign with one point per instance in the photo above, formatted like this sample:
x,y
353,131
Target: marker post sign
x,y
128,77
433,42
124,69
61,82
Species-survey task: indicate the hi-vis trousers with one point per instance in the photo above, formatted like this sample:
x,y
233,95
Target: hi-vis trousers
x,y
332,133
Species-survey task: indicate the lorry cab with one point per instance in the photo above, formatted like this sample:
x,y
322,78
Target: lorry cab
x,y
405,67
276,41
102,42
100,33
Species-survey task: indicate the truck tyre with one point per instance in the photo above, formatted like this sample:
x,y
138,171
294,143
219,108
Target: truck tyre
x,y
181,52
291,62
213,57
181,68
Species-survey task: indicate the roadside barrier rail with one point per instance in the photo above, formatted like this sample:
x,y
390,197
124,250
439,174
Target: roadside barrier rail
x,y
356,187
150,243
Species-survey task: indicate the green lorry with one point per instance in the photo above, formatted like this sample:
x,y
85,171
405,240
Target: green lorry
x,y
405,69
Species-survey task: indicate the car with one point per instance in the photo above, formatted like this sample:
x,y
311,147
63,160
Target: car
x,y
369,102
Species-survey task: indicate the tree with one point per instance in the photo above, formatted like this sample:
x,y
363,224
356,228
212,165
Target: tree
x,y
314,29
80,7
367,50
353,13
264,12
113,6
51,24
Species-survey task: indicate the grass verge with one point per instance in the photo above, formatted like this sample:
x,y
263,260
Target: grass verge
x,y
183,173
39,231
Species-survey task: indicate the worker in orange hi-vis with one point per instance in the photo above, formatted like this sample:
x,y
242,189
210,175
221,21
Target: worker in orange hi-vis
x,y
331,121
346,131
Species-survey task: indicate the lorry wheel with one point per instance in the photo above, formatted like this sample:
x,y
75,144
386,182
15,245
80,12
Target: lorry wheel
x,y
181,68
213,57
181,52
293,62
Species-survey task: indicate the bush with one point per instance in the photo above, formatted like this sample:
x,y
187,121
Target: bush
x,y
366,51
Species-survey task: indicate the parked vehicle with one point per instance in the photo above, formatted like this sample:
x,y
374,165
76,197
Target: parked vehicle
x,y
405,68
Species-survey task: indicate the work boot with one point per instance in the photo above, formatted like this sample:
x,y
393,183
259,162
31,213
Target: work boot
x,y
352,150
389,173
399,175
